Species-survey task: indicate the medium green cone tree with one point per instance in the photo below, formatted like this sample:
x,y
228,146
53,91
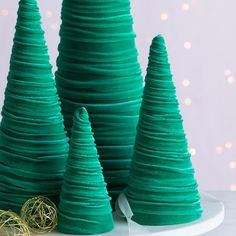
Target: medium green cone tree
x,y
162,189
84,202
33,142
98,69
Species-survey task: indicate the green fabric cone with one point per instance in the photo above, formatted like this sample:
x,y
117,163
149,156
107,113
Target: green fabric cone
x,y
84,202
98,69
162,189
33,142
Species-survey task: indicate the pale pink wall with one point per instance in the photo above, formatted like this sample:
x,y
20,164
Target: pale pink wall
x,y
210,28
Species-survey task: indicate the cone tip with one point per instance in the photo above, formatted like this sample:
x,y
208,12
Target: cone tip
x,y
28,1
81,113
159,39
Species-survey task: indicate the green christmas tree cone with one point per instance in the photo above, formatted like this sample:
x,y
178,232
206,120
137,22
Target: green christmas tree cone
x,y
84,202
162,189
98,69
33,142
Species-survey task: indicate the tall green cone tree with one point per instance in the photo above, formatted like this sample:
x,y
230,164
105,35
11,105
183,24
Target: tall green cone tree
x,y
162,189
33,142
98,69
84,202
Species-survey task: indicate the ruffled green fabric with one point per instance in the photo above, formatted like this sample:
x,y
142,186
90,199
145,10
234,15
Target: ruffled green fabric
x,y
33,142
162,189
84,202
98,69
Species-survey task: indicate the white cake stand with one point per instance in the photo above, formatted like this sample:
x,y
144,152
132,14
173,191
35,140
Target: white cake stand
x,y
212,217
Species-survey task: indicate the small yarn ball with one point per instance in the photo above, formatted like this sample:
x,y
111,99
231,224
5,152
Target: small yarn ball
x,y
40,214
12,225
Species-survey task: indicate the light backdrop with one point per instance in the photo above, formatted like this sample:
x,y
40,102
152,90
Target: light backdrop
x,y
201,40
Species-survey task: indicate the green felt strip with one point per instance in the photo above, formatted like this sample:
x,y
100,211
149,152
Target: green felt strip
x,y
33,142
98,69
84,202
162,189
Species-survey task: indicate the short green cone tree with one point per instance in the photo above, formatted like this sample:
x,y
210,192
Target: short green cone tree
x,y
33,142
162,189
98,69
84,202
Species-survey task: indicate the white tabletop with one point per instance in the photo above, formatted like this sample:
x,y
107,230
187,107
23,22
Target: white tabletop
x,y
228,227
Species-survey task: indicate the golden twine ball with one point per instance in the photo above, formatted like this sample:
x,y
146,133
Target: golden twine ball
x,y
12,225
40,214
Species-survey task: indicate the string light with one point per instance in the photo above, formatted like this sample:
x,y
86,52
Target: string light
x,y
187,45
192,151
228,145
231,80
227,72
232,165
233,187
185,82
188,101
185,6
219,149
49,14
164,16
4,12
